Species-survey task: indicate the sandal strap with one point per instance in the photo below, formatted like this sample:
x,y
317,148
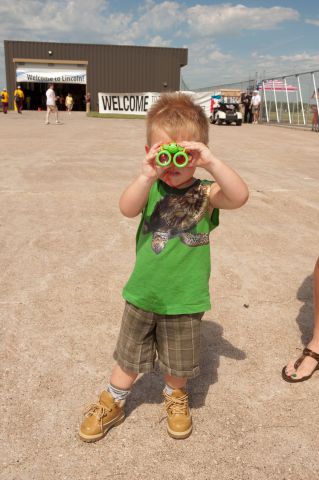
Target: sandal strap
x,y
306,353
309,353
299,361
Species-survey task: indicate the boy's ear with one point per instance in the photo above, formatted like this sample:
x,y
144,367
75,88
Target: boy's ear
x,y
147,148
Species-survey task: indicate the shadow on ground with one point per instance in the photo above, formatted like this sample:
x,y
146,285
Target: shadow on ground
x,y
306,313
148,388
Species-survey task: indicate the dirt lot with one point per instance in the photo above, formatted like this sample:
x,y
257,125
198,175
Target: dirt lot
x,y
66,252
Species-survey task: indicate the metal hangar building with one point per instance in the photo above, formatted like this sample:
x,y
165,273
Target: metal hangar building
x,y
81,68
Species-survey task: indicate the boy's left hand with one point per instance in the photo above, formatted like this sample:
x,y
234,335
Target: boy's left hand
x,y
199,153
229,191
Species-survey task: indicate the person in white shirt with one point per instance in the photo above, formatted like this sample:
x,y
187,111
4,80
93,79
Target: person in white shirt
x,y
51,104
255,105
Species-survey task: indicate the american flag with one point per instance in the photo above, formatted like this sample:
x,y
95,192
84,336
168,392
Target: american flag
x,y
277,85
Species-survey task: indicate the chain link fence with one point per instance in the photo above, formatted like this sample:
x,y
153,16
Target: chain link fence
x,y
286,100
243,85
291,100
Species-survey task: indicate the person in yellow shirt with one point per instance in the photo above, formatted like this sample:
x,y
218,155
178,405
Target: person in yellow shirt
x,y
18,99
69,103
5,100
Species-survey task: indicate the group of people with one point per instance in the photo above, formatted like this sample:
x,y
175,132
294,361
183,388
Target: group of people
x,y
51,101
250,105
18,97
65,103
251,102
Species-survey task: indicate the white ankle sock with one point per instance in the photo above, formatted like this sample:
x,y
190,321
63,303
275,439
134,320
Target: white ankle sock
x,y
169,390
117,393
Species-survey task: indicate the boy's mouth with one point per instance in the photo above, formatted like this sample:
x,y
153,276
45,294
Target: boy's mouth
x,y
170,174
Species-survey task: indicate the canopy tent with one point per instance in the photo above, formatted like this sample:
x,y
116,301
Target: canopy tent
x,y
276,85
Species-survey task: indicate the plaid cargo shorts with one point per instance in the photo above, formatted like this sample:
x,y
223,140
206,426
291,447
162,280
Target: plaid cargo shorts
x,y
174,340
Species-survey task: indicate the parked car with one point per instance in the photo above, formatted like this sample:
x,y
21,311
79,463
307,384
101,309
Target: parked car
x,y
226,113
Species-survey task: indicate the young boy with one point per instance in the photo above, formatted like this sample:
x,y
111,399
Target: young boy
x,y
167,293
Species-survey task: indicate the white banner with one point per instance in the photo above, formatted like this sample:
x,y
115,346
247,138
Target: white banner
x,y
203,99
126,103
139,103
46,75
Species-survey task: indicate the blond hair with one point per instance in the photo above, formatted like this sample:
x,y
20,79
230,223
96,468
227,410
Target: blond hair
x,y
176,114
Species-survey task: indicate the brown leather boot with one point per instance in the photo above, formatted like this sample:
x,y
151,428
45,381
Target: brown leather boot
x,y
100,417
179,420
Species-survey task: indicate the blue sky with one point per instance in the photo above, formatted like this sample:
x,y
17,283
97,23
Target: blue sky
x,y
227,41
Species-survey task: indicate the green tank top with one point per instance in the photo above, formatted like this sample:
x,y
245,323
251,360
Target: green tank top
x,y
172,265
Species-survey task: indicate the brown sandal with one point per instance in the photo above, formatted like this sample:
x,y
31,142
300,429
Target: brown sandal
x,y
306,353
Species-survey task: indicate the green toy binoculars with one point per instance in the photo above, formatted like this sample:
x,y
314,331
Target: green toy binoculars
x,y
171,152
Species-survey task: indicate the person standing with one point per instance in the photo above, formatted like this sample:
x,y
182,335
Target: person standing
x,y
5,100
246,100
51,104
163,312
69,102
28,102
241,103
18,96
314,109
255,106
88,102
307,364
61,102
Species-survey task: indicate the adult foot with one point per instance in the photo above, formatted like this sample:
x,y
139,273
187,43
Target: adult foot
x,y
307,365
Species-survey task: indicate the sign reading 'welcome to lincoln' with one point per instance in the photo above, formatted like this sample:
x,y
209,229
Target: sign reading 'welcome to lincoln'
x,y
128,103
50,74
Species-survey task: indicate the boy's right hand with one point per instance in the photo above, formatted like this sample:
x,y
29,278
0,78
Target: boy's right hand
x,y
135,196
150,169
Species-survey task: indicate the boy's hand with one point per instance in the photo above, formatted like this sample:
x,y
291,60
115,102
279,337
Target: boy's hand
x,y
200,155
150,169
229,191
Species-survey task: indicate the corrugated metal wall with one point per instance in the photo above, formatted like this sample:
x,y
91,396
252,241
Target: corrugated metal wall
x,y
111,68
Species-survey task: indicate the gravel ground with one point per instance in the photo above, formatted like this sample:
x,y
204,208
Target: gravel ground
x,y
65,254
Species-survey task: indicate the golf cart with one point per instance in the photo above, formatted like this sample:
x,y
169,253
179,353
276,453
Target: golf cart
x,y
226,113
226,108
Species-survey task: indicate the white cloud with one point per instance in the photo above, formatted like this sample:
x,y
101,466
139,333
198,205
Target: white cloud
x,y
207,63
161,17
313,22
277,65
155,19
300,57
211,57
231,19
158,41
153,23
75,20
297,57
218,56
